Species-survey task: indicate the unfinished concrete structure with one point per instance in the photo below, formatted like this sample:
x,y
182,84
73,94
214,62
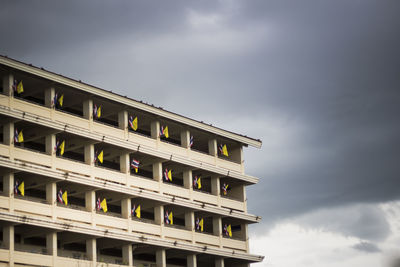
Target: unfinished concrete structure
x,y
38,230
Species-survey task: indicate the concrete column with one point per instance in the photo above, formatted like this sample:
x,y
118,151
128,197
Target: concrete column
x,y
157,171
88,109
8,81
50,141
245,234
188,179
161,259
124,163
123,119
8,242
8,184
159,214
8,237
49,94
90,200
127,256
126,207
8,134
191,260
217,226
89,154
91,250
51,243
185,138
51,193
215,185
155,130
219,262
212,147
236,154
189,220
244,197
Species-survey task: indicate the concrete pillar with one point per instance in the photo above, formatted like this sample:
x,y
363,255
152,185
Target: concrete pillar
x,y
159,214
236,154
91,250
51,243
88,109
212,147
188,179
124,163
217,226
8,184
8,243
49,94
191,260
219,262
50,141
51,193
185,138
215,185
245,234
126,207
155,130
89,154
127,256
8,237
161,259
90,200
8,81
189,220
123,119
157,171
8,134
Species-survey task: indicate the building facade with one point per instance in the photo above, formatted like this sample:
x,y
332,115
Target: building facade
x,y
92,178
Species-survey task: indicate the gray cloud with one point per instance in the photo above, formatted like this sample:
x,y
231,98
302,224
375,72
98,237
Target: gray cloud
x,y
367,247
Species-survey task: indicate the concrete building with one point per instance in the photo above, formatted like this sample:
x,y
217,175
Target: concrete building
x,y
55,148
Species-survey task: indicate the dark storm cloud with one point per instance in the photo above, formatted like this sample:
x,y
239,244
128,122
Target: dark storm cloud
x,y
317,81
367,247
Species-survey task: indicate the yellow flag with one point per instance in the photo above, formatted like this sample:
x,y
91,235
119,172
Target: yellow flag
x,y
170,175
62,147
166,132
171,218
20,88
201,223
137,211
103,205
65,198
134,124
21,188
225,151
100,157
61,100
229,230
20,137
199,183
99,112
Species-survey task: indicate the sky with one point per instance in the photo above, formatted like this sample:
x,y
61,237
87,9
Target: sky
x,y
317,81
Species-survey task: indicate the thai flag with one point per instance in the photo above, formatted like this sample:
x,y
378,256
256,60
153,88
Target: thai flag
x,y
16,136
220,148
166,217
14,86
130,121
191,141
135,164
59,196
197,224
56,146
54,100
95,111
161,130
133,210
195,181
98,206
16,187
166,175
